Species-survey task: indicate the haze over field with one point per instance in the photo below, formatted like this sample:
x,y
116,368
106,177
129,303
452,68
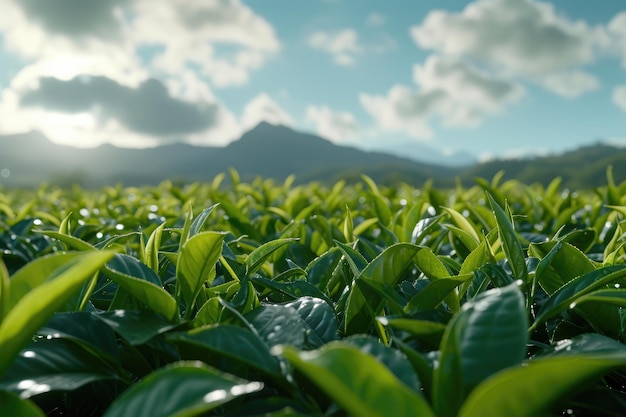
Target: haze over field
x,y
446,81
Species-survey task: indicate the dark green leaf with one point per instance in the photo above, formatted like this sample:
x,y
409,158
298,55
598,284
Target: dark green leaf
x,y
488,335
510,241
182,389
55,365
228,341
360,384
136,326
319,318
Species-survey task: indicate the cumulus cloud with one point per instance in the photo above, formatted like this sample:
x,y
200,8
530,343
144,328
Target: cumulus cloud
x,y
87,111
343,45
619,97
524,37
263,109
336,126
456,93
188,31
571,84
91,54
75,18
617,29
185,32
147,109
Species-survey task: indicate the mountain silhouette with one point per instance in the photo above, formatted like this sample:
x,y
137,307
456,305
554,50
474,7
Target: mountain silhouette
x,y
270,151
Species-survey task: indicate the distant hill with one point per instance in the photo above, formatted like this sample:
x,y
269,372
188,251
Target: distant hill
x,y
267,151
584,167
276,152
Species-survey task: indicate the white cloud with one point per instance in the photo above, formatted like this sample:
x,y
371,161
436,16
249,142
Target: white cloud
x,y
571,84
103,41
188,30
263,109
449,89
336,126
343,45
375,19
404,109
523,37
619,97
617,28
91,110
35,29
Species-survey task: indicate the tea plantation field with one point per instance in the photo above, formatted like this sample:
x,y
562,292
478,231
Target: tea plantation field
x,y
270,299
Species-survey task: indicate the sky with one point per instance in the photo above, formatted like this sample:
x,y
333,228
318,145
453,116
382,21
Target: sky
x,y
490,78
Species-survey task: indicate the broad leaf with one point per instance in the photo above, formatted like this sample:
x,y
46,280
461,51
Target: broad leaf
x,y
55,365
488,335
196,265
183,389
543,383
510,241
360,384
34,309
386,268
228,341
141,285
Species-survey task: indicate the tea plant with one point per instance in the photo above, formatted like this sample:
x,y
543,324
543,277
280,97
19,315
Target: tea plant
x,y
266,299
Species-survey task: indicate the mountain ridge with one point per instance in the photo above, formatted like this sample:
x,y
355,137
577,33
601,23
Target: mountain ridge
x,y
275,152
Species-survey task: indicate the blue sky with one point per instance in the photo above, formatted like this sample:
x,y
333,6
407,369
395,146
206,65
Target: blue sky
x,y
492,78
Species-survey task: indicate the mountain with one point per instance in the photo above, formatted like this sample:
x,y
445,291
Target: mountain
x,y
275,152
267,151
584,167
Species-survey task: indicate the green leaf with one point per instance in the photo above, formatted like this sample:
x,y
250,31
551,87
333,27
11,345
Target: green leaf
x,y
348,226
35,308
431,265
257,257
228,341
34,274
135,326
616,297
424,330
86,330
510,242
319,318
434,293
488,335
463,224
543,383
4,290
55,365
564,265
152,248
199,221
576,288
360,384
386,268
184,389
12,405
71,241
380,205
353,258
393,359
293,290
278,325
196,265
141,286
434,269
